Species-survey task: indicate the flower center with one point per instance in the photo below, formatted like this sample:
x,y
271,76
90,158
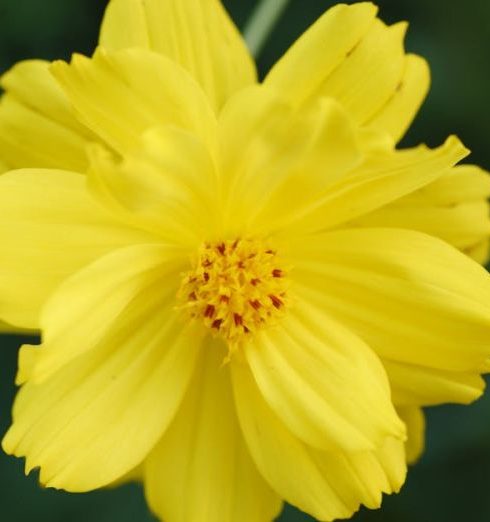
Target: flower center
x,y
236,288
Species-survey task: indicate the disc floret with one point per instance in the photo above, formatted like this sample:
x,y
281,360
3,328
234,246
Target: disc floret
x,y
235,288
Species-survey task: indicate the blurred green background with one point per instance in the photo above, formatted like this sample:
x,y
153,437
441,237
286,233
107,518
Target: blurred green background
x,y
452,481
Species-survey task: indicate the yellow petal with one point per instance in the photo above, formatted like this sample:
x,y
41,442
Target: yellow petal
x,y
369,76
37,125
121,94
385,176
201,469
8,329
327,485
135,475
418,385
454,207
169,186
359,61
323,382
396,115
320,50
198,35
98,417
414,419
49,228
429,310
100,294
33,76
275,160
480,252
463,224
468,183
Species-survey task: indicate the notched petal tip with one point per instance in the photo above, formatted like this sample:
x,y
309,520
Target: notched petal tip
x,y
75,59
365,10
365,7
400,28
458,149
320,50
66,72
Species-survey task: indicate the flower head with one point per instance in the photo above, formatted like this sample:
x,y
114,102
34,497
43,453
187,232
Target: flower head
x,y
214,316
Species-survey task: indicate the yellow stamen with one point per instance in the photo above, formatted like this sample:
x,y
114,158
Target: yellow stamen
x,y
235,288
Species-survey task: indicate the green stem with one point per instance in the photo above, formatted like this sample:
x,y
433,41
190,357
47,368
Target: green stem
x,y
261,23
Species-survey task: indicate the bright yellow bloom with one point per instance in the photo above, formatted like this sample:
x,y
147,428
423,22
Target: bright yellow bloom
x,y
215,318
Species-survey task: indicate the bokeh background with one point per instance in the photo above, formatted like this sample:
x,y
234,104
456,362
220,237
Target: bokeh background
x,y
452,480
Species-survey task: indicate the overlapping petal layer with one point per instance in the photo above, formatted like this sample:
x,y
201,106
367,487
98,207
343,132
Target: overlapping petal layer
x,y
50,228
303,153
414,384
396,115
370,74
350,55
123,282
37,125
325,384
321,171
121,94
415,421
137,350
463,225
320,50
169,186
454,208
383,177
202,469
195,34
429,310
328,485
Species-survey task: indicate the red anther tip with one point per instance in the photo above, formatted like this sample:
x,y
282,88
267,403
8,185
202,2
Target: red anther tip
x,y
275,301
209,312
255,304
217,323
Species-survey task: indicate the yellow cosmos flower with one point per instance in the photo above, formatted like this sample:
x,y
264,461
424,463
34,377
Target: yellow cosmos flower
x,y
215,319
